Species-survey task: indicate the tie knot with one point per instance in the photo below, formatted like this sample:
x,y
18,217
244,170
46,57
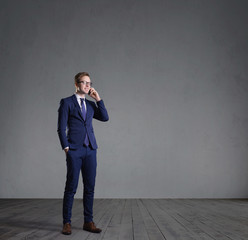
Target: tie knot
x,y
82,99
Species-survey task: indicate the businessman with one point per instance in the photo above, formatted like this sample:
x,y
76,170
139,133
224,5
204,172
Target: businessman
x,y
77,139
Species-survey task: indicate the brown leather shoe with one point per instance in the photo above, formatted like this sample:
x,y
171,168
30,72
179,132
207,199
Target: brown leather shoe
x,y
66,229
90,227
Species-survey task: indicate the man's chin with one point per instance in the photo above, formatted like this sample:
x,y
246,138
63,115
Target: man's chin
x,y
82,92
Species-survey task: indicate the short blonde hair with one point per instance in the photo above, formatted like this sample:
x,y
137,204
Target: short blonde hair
x,y
79,75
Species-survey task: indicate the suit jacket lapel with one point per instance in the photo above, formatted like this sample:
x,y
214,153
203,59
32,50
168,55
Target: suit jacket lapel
x,y
74,98
87,109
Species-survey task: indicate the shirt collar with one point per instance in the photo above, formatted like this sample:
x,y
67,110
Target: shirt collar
x,y
78,97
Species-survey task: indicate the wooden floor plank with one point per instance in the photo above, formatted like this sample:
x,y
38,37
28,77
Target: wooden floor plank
x,y
126,230
113,229
170,227
139,228
208,213
197,216
29,220
128,219
105,220
174,211
152,229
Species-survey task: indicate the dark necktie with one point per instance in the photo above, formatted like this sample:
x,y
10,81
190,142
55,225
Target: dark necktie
x,y
86,140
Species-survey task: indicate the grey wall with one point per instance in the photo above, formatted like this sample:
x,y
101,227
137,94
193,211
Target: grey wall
x,y
173,75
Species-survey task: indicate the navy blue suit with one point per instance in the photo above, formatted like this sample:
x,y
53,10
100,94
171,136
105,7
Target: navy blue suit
x,y
72,129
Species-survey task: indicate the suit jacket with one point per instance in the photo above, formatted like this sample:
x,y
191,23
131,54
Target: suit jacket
x,y
72,127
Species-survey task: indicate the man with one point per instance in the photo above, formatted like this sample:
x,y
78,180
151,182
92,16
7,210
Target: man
x,y
77,139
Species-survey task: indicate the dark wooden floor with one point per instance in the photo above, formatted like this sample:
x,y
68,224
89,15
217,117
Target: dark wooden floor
x,y
127,219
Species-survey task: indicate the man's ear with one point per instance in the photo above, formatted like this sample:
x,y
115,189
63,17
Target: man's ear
x,y
76,86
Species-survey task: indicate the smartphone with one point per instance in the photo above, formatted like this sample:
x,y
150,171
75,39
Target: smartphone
x,y
89,92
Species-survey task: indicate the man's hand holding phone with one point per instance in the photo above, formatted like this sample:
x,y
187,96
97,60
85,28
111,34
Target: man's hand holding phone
x,y
94,94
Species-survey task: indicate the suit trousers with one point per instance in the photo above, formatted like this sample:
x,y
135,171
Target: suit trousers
x,y
84,159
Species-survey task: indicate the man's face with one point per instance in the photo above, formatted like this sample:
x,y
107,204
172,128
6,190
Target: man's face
x,y
83,86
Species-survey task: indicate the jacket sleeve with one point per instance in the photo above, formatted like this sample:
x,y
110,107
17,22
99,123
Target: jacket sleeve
x,y
100,112
63,113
